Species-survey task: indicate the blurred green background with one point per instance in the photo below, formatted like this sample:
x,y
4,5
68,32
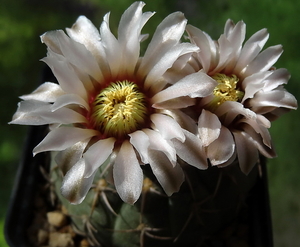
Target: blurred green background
x,y
23,21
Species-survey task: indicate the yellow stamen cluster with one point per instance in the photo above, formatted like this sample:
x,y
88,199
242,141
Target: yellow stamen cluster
x,y
226,90
119,109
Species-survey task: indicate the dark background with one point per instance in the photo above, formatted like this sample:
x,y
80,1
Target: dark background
x,y
22,22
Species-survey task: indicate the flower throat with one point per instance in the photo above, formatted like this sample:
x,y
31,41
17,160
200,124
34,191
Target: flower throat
x,y
119,109
226,90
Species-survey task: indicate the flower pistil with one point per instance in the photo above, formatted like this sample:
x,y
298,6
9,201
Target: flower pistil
x,y
119,109
227,89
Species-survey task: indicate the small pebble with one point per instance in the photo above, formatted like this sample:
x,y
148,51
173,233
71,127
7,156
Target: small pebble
x,y
84,243
57,239
56,219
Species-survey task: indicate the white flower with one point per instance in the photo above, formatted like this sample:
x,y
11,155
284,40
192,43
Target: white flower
x,y
103,110
234,119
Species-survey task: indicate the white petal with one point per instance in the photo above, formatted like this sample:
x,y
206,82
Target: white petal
x,y
258,126
32,112
157,142
167,126
165,62
191,151
65,74
184,120
176,103
195,85
141,143
68,99
231,109
97,154
246,151
83,31
207,47
47,92
266,150
209,127
74,52
254,83
264,61
74,186
251,49
62,138
166,36
131,23
170,177
112,46
28,113
128,175
222,149
278,77
274,98
67,158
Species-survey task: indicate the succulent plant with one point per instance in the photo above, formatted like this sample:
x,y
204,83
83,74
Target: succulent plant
x,y
207,203
160,148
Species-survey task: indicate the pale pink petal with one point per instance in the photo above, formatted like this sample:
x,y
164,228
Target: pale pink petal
x,y
28,113
264,61
246,151
127,173
170,177
74,186
276,78
222,149
141,143
191,151
225,50
266,150
195,85
207,46
209,127
32,112
63,116
166,36
131,23
251,49
97,154
67,158
229,110
236,38
47,92
229,26
68,99
65,74
259,128
112,46
157,142
74,52
165,62
167,126
63,138
184,120
254,83
83,31
176,103
275,98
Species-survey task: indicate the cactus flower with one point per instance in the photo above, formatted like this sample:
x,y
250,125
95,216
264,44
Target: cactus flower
x,y
233,121
102,111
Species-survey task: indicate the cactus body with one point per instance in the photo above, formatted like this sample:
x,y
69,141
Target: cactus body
x,y
207,202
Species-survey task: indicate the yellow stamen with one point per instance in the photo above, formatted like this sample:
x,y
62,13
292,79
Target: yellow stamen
x,y
119,109
226,90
